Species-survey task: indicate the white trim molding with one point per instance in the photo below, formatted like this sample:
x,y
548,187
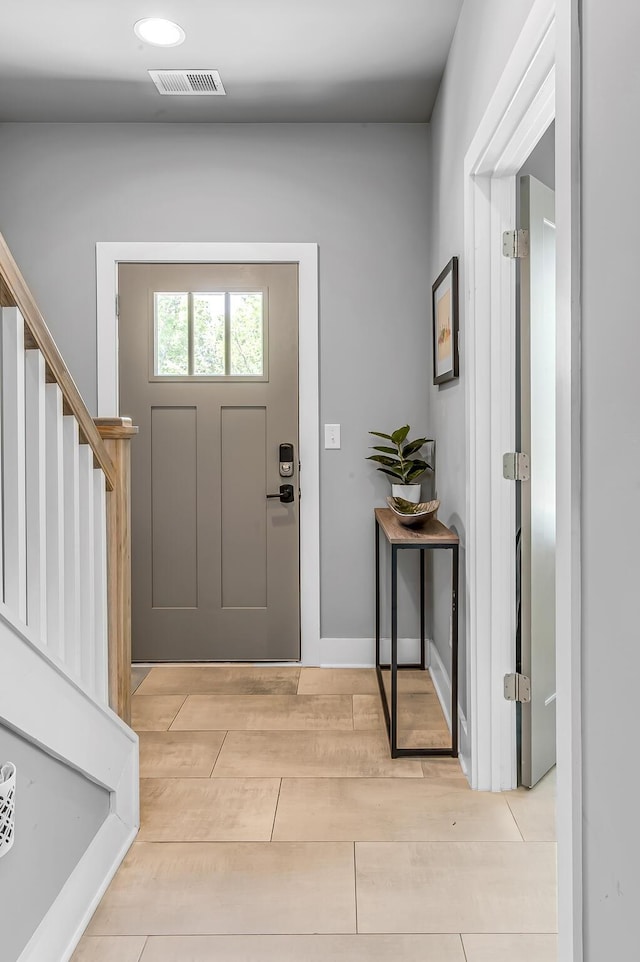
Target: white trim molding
x,y
88,737
540,82
361,652
519,113
109,255
61,929
568,494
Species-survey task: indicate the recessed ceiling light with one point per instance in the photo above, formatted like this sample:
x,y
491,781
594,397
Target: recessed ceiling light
x,y
160,33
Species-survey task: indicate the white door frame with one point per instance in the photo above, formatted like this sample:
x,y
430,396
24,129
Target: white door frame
x,y
540,82
110,254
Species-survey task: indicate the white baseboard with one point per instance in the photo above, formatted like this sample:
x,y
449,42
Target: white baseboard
x,y
359,652
464,745
441,681
61,929
442,685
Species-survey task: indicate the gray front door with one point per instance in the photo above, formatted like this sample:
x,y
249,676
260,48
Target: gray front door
x,y
209,371
538,495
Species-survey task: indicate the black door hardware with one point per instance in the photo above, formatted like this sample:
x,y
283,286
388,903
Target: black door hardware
x,y
286,494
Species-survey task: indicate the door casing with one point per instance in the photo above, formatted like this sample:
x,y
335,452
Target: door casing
x,y
110,254
540,82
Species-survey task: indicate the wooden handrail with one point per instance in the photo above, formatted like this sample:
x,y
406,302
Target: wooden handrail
x,y
15,293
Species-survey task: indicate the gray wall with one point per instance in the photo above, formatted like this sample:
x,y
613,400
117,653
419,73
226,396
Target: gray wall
x,y
483,42
610,471
58,812
541,163
360,191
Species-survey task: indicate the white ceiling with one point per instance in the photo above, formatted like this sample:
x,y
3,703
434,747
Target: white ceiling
x,y
279,60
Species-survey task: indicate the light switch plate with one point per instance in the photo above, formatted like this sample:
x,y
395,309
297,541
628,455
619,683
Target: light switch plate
x,y
331,436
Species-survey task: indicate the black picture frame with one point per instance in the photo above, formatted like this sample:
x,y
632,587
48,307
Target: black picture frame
x,y
444,318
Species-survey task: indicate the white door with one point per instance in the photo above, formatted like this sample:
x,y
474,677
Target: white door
x,y
537,653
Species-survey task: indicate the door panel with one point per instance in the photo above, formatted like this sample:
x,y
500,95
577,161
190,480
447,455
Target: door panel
x,y
215,564
244,518
174,556
538,496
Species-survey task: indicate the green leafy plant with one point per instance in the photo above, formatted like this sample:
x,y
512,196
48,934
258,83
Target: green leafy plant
x,y
398,461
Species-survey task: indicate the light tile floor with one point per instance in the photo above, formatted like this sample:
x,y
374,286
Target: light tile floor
x,y
275,826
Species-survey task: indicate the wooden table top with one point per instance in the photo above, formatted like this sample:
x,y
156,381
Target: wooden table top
x,y
430,532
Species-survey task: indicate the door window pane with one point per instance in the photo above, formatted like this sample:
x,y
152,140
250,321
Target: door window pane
x,y
208,334
246,334
172,334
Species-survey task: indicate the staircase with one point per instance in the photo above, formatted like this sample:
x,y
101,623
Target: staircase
x,y
64,596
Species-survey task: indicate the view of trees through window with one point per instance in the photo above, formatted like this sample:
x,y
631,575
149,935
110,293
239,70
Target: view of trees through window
x,y
172,334
225,330
208,334
246,334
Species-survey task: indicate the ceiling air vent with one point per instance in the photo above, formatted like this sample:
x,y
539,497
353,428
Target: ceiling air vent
x,y
188,83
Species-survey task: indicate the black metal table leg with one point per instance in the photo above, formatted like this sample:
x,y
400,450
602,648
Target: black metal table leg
x,y
377,594
394,652
454,652
423,640
383,694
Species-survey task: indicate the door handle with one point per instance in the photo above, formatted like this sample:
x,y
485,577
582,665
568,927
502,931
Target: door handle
x,y
285,495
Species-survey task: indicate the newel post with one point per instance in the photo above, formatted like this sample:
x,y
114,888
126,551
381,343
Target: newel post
x,y
116,434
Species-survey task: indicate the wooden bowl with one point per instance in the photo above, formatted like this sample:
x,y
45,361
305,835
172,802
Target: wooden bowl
x,y
410,514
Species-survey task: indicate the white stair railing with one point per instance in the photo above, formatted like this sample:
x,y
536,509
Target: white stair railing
x,y
100,599
71,540
13,463
65,517
36,492
54,493
51,490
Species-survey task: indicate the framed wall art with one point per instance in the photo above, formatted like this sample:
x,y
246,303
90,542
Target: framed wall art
x,y
445,324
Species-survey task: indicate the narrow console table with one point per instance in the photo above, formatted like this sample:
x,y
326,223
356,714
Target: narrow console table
x,y
431,535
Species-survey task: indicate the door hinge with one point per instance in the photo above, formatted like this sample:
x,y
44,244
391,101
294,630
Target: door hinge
x,y
517,688
515,243
515,466
117,305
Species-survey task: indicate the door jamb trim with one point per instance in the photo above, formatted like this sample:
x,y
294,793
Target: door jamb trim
x,y
541,80
110,254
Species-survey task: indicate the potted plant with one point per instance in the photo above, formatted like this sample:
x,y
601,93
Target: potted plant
x,y
399,462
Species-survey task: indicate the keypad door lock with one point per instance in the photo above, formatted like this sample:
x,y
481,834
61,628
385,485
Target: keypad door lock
x,y
286,460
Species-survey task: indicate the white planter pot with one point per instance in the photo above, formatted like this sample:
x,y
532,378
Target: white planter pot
x,y
410,492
